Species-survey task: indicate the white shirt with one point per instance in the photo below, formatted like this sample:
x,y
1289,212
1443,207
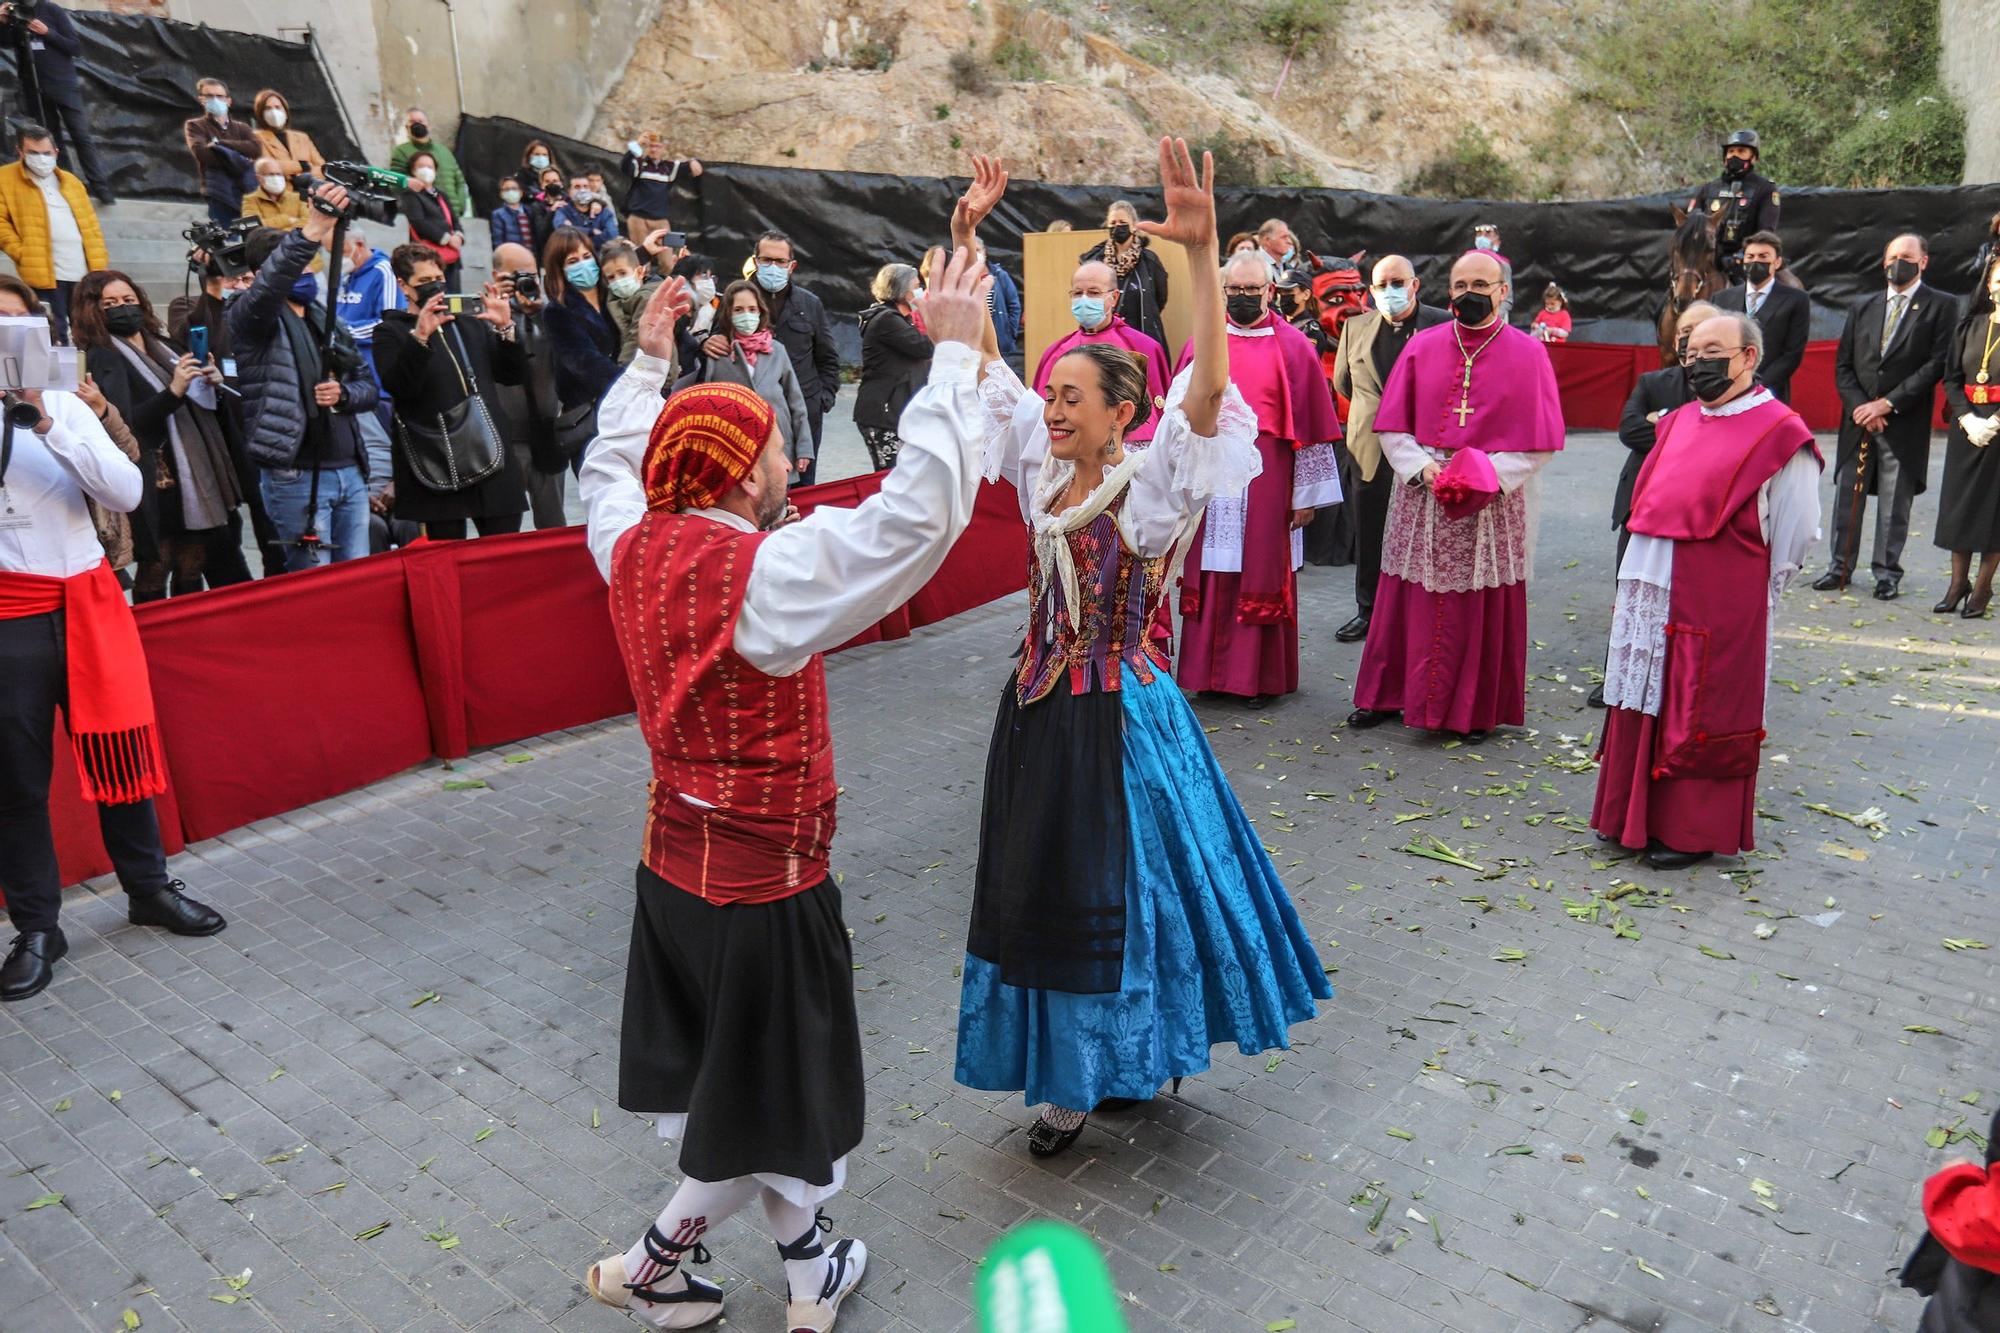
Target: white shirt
x,y
816,583
1754,297
65,237
45,527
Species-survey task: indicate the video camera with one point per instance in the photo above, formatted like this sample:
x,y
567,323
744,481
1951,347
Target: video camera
x,y
225,245
17,13
372,192
29,359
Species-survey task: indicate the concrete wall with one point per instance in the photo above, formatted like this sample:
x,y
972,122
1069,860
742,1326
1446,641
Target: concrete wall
x,y
548,62
1971,55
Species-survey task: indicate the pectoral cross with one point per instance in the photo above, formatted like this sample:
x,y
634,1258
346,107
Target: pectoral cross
x,y
1464,408
1462,411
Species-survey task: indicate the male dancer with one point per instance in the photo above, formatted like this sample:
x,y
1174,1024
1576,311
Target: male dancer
x,y
739,1026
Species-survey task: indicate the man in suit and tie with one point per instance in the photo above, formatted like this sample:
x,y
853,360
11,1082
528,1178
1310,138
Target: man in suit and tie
x,y
1891,357
1784,313
1370,342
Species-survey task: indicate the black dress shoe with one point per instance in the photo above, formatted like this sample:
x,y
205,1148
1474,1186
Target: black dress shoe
x,y
1257,702
1475,737
1353,630
1666,858
1886,591
1831,581
174,910
1363,718
31,963
1596,699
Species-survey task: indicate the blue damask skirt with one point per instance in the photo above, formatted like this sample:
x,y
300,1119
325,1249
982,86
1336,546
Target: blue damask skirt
x,y
1213,948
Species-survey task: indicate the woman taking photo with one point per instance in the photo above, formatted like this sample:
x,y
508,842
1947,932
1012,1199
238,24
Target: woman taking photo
x,y
1125,916
581,338
272,115
1968,520
451,462
759,361
1142,278
433,222
895,363
168,399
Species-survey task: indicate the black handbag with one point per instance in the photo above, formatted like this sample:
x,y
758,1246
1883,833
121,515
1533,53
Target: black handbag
x,y
575,428
464,448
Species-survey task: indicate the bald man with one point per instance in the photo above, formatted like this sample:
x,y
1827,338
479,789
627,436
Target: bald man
x,y
526,412
1093,303
1370,345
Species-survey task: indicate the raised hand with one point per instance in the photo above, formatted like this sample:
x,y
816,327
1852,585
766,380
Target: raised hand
x,y
955,310
989,183
1190,198
668,307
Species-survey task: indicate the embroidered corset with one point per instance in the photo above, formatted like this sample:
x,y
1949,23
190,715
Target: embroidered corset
x,y
1120,592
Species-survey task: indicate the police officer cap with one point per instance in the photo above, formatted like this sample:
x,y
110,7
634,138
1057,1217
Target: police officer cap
x,y
1742,139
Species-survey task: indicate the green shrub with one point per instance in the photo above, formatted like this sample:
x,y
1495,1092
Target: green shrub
x,y
1298,26
871,54
1237,161
1020,61
1467,168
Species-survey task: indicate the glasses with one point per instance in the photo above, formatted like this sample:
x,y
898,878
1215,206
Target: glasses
x,y
1691,355
1243,291
1480,285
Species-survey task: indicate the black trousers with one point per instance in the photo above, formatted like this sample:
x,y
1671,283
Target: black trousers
x,y
1371,519
487,525
71,124
33,684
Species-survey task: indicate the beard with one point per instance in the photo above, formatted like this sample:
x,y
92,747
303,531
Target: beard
x,y
771,506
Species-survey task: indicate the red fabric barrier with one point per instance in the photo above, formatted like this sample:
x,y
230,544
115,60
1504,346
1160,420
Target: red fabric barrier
x,y
279,693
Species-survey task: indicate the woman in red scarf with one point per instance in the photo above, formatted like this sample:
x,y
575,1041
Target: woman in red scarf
x,y
68,641
758,360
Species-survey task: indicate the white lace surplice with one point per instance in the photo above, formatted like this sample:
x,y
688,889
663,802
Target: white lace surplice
x,y
1422,545
1788,518
1179,472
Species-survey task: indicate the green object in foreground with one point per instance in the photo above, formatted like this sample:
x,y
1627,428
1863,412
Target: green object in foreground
x,y
1046,1277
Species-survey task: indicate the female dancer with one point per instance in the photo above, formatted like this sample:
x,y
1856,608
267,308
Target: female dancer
x,y
1125,917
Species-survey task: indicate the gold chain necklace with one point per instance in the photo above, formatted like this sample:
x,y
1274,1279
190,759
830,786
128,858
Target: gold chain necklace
x,y
1992,323
1464,408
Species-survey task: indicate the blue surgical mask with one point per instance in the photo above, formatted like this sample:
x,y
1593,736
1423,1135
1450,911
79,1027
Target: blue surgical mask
x,y
305,289
1484,243
1392,301
745,321
540,161
624,285
1087,310
215,106
581,273
773,277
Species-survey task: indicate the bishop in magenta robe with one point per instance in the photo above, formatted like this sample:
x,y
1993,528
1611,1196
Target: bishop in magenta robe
x,y
1239,591
1723,514
1448,644
1110,328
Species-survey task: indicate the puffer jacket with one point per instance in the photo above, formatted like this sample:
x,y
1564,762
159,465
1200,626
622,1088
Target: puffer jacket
x,y
274,412
24,225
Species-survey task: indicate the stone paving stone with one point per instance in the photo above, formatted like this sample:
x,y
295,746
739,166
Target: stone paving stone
x,y
1655,1085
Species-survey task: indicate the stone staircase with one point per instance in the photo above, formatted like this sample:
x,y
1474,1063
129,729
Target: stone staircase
x,y
144,239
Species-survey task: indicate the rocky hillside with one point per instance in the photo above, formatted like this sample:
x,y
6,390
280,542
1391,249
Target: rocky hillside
x,y
1081,91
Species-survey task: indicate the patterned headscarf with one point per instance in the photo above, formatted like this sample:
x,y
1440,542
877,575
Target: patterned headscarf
x,y
707,440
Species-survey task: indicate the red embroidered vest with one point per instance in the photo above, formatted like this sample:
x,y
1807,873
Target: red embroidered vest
x,y
743,789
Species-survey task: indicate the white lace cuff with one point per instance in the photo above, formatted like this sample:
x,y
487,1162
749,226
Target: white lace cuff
x,y
1000,394
1208,465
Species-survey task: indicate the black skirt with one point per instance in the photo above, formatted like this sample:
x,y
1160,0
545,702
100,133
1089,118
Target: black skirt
x,y
1969,497
1048,899
742,1017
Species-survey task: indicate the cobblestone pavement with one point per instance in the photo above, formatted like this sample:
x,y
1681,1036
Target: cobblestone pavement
x,y
1557,1093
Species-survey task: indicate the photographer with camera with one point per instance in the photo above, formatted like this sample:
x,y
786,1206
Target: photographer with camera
x,y
450,178
434,223
224,150
299,425
169,399
47,225
527,412
368,290
442,369
68,641
45,50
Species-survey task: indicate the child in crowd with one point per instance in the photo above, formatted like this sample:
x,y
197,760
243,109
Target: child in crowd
x,y
628,284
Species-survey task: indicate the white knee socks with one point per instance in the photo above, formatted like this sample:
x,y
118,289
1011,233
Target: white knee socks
x,y
696,1208
789,1224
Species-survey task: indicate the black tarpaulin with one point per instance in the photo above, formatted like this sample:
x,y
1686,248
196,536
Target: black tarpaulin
x,y
138,88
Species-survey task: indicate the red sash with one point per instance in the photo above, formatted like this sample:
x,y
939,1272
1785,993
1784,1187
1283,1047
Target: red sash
x,y
110,711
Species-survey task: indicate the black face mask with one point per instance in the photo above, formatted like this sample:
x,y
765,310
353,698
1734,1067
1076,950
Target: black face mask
x,y
424,291
1735,168
1902,272
419,130
1759,273
1472,308
124,320
1245,310
1120,233
1709,377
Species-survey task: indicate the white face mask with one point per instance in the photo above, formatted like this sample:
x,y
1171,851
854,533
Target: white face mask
x,y
274,116
426,174
705,288
273,184
41,164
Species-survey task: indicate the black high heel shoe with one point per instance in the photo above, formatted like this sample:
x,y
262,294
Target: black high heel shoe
x,y
1046,1139
1952,600
1975,606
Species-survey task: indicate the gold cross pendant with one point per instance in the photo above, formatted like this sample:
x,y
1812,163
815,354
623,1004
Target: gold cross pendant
x,y
1463,410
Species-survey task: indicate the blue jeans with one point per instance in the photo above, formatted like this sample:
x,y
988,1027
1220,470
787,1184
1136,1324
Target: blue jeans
x,y
342,516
